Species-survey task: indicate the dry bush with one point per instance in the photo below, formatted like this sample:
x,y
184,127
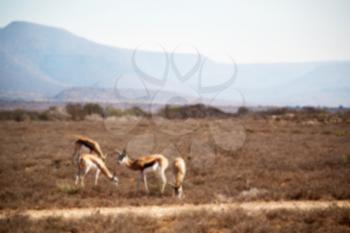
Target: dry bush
x,y
23,115
113,112
93,108
275,111
191,111
136,111
306,115
242,111
67,188
79,112
93,117
75,111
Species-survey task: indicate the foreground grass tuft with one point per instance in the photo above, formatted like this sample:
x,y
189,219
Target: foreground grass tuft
x,y
67,188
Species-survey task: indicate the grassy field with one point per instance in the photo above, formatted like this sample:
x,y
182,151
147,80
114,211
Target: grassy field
x,y
231,159
329,220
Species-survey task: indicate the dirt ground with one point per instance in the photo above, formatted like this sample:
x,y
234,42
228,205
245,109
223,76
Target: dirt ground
x,y
162,211
235,159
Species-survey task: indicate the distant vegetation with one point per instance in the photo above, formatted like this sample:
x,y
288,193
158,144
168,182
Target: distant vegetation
x,y
309,115
94,111
22,115
72,111
79,111
243,110
191,111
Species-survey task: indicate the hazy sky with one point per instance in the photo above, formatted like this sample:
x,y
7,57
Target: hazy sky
x,y
249,31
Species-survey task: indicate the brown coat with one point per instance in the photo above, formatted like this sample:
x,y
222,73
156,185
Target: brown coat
x,y
146,161
89,143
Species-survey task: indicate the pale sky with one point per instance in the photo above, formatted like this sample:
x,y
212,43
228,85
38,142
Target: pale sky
x,y
248,31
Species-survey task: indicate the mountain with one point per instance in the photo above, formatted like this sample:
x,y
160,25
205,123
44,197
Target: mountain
x,y
46,59
39,62
314,83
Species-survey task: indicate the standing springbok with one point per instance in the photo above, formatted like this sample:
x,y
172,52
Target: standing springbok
x,y
150,163
89,143
91,161
179,170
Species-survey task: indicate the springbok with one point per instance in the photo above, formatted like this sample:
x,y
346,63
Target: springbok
x,y
89,143
91,161
150,163
179,170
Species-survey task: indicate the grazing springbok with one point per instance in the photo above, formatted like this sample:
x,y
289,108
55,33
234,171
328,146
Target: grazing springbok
x,y
89,143
91,161
179,170
150,163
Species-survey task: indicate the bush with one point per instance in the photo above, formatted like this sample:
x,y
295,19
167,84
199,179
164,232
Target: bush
x,y
242,110
93,108
53,113
277,111
312,110
191,111
44,116
110,111
57,113
93,117
79,111
136,111
75,111
19,115
67,188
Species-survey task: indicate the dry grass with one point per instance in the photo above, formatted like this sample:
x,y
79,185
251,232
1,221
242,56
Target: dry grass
x,y
282,160
330,220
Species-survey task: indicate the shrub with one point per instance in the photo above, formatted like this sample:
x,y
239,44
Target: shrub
x,y
340,133
75,111
136,111
67,188
44,116
312,110
57,113
19,115
277,111
242,110
110,111
191,111
93,108
93,117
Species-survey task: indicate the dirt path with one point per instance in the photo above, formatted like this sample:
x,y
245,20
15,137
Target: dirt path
x,y
168,210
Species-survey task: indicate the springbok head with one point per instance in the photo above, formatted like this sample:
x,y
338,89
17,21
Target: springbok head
x,y
121,156
177,190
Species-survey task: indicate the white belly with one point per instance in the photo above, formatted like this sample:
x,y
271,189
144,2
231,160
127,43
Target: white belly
x,y
91,165
153,168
